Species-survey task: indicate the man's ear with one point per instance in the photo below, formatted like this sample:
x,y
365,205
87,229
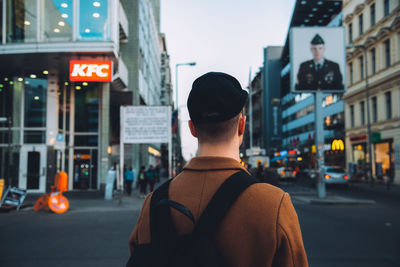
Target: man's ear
x,y
192,129
242,125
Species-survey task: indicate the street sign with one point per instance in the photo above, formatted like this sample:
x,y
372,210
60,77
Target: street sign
x,y
376,137
255,151
145,124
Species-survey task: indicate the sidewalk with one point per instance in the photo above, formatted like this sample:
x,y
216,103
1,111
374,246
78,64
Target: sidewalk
x,y
309,195
91,201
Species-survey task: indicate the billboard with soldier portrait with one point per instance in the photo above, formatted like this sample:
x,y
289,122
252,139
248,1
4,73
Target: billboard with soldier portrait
x,y
317,59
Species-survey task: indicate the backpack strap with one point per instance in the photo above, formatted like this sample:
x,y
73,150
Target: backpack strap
x,y
161,226
221,202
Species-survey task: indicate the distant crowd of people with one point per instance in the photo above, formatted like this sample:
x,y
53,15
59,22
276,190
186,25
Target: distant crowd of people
x,y
147,177
266,175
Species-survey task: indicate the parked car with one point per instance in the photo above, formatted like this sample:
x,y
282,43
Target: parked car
x,y
335,175
286,173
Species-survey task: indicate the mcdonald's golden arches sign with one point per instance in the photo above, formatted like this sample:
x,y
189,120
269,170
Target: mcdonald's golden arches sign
x,y
337,144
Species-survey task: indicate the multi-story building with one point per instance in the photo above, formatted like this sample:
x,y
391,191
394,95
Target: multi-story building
x,y
373,30
265,95
59,124
271,98
142,54
165,96
298,116
166,81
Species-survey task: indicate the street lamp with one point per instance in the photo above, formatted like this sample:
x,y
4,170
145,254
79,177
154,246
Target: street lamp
x,y
177,108
369,140
176,79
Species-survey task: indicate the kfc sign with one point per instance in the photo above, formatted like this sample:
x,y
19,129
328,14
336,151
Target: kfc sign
x,y
90,71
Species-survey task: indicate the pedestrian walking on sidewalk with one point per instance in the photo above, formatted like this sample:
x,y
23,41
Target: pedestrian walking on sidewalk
x,y
129,178
214,213
142,181
151,177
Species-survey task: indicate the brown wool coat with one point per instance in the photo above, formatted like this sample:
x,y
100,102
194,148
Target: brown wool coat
x,y
260,229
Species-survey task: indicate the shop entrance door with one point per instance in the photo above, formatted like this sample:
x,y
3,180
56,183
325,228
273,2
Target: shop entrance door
x,y
85,169
32,168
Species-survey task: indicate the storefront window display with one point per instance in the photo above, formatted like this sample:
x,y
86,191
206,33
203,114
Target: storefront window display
x,y
383,159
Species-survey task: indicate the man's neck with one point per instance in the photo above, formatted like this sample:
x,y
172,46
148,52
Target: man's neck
x,y
319,61
219,150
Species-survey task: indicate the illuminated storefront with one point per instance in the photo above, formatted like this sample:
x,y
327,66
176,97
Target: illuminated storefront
x,y
60,65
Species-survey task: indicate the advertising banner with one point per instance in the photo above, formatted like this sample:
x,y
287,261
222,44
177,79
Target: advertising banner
x,y
145,124
318,61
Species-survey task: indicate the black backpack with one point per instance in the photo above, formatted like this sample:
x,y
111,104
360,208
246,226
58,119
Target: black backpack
x,y
197,249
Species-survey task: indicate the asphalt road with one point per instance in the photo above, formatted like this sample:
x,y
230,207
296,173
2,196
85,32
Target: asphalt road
x,y
334,235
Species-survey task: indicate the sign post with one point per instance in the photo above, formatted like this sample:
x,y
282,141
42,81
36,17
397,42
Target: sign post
x,y
321,71
145,125
319,143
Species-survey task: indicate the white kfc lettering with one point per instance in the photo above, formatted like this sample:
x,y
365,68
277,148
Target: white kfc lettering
x,y
79,70
99,71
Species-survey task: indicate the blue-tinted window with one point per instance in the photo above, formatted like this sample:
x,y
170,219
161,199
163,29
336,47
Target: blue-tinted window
x,y
94,22
56,22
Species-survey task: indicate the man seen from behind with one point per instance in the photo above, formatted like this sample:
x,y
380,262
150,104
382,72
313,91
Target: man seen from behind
x,y
261,228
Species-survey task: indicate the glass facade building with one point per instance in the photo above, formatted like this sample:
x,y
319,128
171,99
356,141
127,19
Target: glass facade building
x,y
52,123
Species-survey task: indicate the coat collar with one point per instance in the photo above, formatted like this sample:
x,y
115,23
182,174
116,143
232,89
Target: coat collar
x,y
214,164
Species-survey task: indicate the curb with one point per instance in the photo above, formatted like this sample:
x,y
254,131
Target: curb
x,y
333,200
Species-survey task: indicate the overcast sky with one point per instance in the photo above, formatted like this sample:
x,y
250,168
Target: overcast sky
x,y
219,35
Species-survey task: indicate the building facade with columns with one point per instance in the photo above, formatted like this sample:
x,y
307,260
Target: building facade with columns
x,y
373,39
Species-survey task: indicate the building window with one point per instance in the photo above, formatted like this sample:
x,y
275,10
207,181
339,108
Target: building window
x,y
388,99
362,112
372,14
351,72
351,116
35,102
387,53
373,60
21,21
360,24
57,20
350,32
386,7
94,22
1,21
374,109
361,60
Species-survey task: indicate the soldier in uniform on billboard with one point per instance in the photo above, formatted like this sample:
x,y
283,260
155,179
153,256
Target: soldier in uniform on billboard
x,y
319,73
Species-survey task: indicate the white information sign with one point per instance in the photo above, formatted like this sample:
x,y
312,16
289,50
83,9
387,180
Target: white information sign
x,y
145,124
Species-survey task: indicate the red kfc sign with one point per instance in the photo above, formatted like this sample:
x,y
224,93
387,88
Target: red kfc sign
x,y
90,71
